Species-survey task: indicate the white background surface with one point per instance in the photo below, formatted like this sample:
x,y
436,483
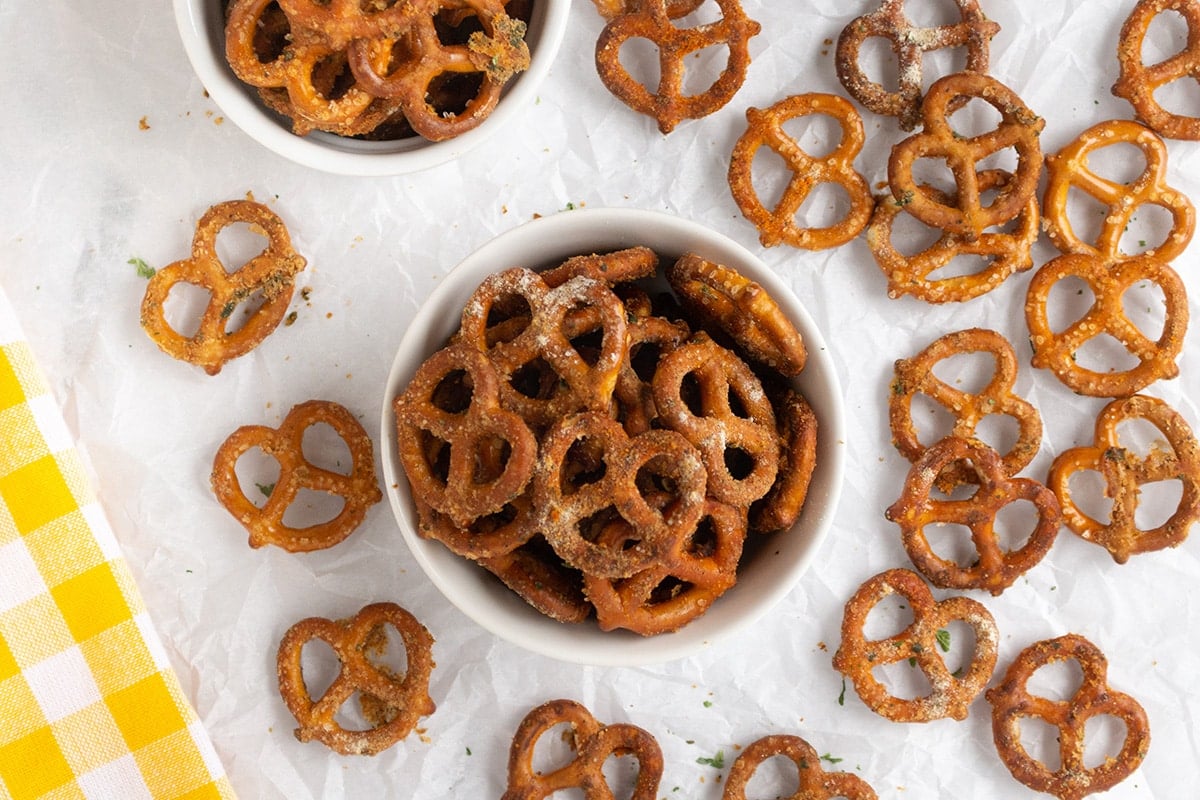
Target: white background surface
x,y
86,189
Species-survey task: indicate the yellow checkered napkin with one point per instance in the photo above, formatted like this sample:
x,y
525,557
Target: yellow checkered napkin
x,y
89,706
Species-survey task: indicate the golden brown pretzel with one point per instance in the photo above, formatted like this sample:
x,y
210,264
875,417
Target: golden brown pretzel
x,y
675,8
341,21
359,489
593,743
915,376
1108,282
815,782
539,577
391,703
1006,252
910,43
1011,702
963,213
996,569
650,339
950,694
668,104
779,225
464,431
1138,81
1124,474
782,505
619,266
270,274
1068,169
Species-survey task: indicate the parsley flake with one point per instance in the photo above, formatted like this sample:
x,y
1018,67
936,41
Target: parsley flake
x,y
716,762
830,759
943,639
265,488
144,270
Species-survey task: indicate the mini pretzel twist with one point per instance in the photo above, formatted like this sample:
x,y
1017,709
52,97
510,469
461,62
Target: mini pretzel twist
x,y
675,8
1125,473
915,376
964,214
463,494
1011,702
779,225
539,577
1068,169
1005,252
716,429
909,42
341,21
391,703
996,569
950,694
798,427
1138,81
359,489
1108,282
815,782
270,274
668,104
594,744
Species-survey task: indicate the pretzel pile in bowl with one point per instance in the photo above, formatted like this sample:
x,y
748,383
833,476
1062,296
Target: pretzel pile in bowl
x,y
604,446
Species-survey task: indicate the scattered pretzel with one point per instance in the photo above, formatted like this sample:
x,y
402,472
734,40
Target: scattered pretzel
x,y
909,42
675,8
963,213
668,104
593,743
1125,473
1011,703
392,704
1138,82
996,569
915,376
815,782
950,694
1069,169
1108,282
1006,252
270,274
779,225
359,489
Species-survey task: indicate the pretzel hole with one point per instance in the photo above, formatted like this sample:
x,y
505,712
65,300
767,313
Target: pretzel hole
x,y
1067,301
1014,524
553,750
903,679
929,172
1119,162
974,118
692,394
238,312
817,134
887,617
909,236
239,242
703,13
384,649
968,371
1166,36
589,346
319,666
437,456
1039,740
951,542
311,508
1103,353
535,379
825,206
621,773
331,78
1145,304
770,175
998,431
639,57
1180,97
1148,229
1057,680
272,34
453,393
451,93
491,459
260,472
703,541
1140,437
956,646
961,266
1083,216
658,476
774,777
1087,490
1103,738
323,446
879,63
1157,503
739,463
507,308
931,420
644,358
702,68
583,464
183,307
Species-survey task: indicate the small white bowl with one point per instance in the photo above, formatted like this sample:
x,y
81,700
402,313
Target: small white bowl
x,y
201,26
767,572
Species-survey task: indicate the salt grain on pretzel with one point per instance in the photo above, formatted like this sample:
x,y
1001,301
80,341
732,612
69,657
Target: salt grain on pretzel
x,y
1139,82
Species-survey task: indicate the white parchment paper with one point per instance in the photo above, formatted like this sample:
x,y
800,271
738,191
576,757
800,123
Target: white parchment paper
x,y
86,188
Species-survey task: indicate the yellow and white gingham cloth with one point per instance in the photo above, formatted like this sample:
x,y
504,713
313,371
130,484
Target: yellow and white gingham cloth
x,y
89,705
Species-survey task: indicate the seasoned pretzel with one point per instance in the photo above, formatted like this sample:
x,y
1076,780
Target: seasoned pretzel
x,y
651,338
1006,252
909,42
539,577
915,376
717,431
779,225
720,297
270,274
391,703
815,783
996,569
359,489
1108,282
668,104
963,213
341,21
1068,169
567,504
574,384
462,494
593,742
782,505
950,693
1011,702
620,266
487,536
681,585
1138,81
675,8
1125,473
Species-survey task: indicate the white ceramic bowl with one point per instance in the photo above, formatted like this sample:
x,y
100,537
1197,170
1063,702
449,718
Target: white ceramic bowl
x,y
201,26
768,571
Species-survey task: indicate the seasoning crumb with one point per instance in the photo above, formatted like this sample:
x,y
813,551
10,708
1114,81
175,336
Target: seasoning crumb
x,y
143,125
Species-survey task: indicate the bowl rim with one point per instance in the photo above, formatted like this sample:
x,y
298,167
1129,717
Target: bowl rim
x,y
596,228
351,157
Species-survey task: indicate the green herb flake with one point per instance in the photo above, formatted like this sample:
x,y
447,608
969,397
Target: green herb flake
x,y
290,319
716,762
228,308
830,759
265,488
905,199
708,703
842,695
468,751
144,270
943,639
